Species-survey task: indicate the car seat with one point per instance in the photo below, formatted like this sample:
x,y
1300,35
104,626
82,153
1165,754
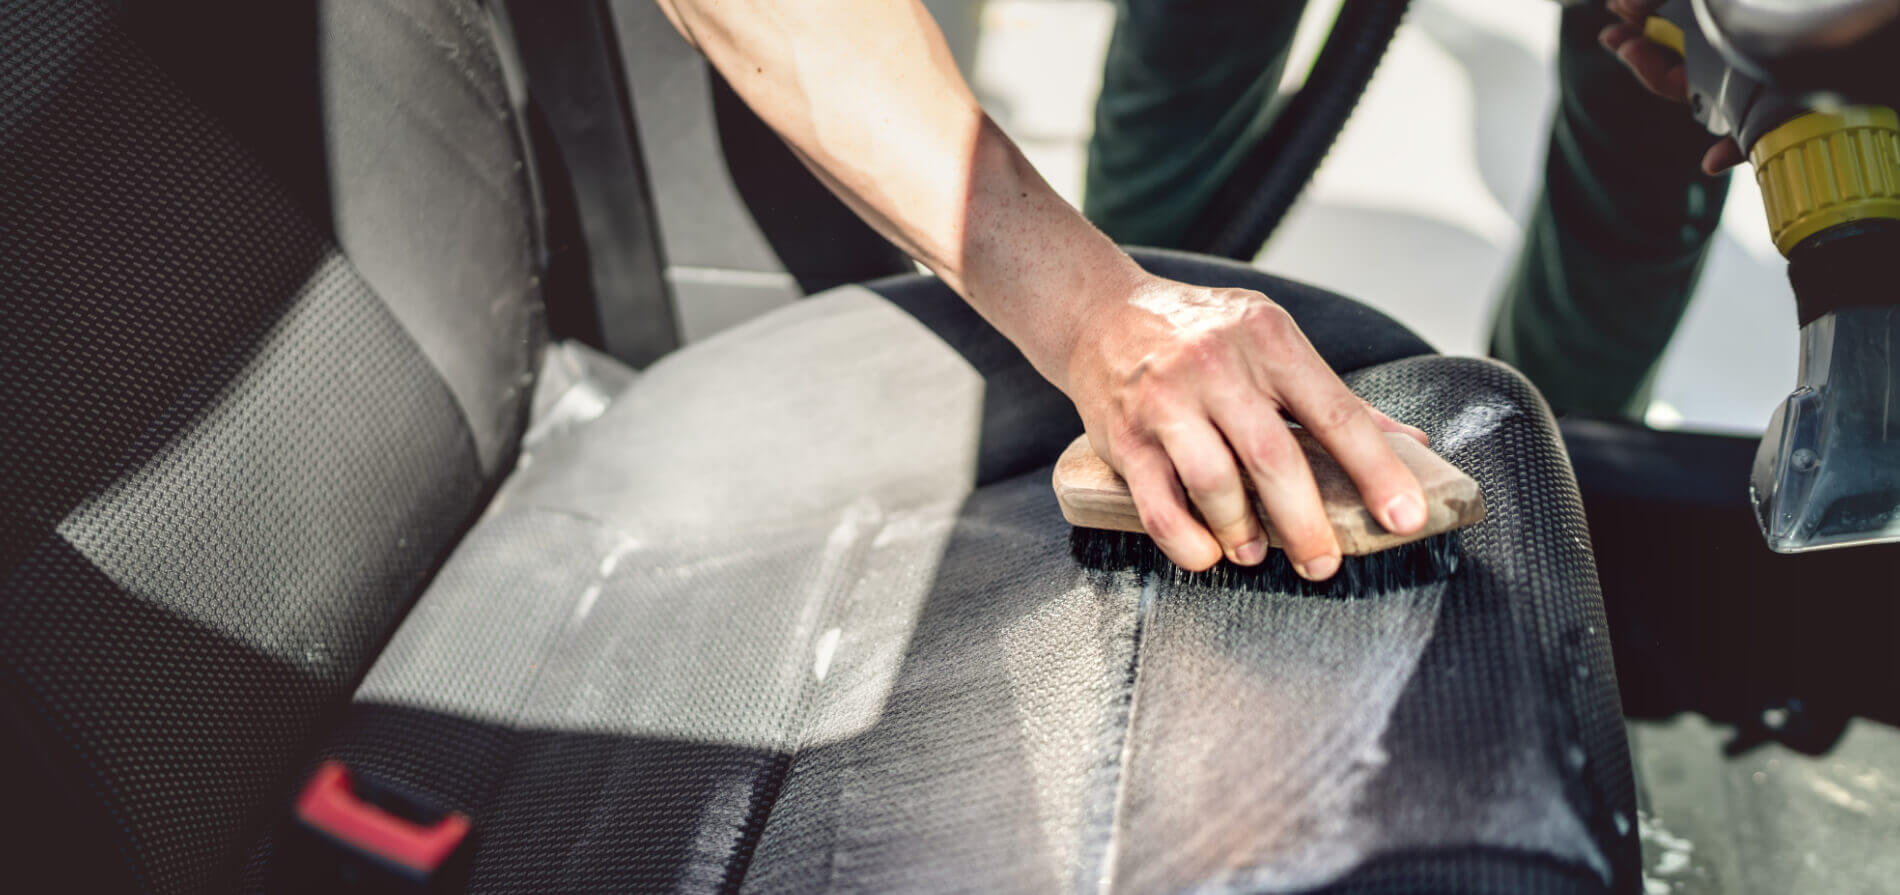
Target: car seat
x,y
792,609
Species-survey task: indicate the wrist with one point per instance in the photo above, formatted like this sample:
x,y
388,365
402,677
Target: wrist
x,y
1048,297
1100,289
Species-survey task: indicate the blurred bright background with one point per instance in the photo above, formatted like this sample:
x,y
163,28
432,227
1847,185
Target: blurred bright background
x,y
1419,209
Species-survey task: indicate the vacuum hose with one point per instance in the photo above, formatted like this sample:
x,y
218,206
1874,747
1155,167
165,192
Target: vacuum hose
x,y
1245,210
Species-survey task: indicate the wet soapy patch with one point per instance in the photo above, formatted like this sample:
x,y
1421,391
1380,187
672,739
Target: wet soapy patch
x,y
1669,858
1472,423
1072,790
1259,720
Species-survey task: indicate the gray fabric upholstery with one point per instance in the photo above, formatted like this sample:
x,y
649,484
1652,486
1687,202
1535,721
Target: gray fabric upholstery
x,y
430,199
819,628
229,461
712,526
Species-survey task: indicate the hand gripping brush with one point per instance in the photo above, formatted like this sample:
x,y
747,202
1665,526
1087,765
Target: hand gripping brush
x,y
1109,534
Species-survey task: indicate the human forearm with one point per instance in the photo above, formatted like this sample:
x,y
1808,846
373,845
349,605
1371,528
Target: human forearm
x,y
866,93
1181,388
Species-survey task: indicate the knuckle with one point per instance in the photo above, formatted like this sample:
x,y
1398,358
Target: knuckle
x,y
1124,442
1204,484
1147,405
1238,530
1162,525
1270,454
1172,429
1336,414
1271,322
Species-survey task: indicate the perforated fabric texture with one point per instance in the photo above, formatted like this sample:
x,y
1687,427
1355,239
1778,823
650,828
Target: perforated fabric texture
x,y
1281,743
1458,737
821,630
225,469
659,650
132,229
389,122
984,753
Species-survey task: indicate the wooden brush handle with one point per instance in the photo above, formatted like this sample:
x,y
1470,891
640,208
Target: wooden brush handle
x,y
1094,496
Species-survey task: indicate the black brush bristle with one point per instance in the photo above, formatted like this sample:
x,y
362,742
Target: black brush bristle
x,y
1418,563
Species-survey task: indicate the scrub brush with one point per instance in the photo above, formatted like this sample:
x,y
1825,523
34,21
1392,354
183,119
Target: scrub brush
x,y
1108,533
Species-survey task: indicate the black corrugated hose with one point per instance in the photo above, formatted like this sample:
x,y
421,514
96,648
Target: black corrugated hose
x,y
1246,209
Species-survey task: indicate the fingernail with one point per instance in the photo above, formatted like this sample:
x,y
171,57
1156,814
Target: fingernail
x,y
1404,513
1319,568
1252,552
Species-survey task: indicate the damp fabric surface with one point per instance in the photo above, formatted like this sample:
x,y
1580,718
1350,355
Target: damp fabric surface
x,y
873,663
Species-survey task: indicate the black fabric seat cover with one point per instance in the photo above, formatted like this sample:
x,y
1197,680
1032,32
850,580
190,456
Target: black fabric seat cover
x,y
797,612
231,452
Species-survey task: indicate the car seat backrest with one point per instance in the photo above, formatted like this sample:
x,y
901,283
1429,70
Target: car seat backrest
x,y
239,428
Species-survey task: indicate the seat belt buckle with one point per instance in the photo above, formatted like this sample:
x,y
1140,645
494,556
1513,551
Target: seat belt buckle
x,y
359,834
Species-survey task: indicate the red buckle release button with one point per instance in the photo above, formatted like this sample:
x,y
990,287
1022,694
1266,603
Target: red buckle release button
x,y
329,805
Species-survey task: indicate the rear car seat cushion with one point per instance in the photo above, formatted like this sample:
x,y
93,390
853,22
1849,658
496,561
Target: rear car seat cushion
x,y
798,613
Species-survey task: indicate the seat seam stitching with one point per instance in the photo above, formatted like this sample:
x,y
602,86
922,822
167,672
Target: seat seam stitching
x,y
1144,609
